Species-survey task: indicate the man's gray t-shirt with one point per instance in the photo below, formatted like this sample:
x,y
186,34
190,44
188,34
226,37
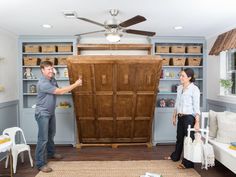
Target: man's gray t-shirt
x,y
46,100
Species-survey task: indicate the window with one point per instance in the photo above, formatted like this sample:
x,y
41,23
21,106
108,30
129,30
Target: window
x,y
231,70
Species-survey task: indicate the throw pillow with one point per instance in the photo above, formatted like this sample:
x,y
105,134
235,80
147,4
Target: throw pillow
x,y
213,123
226,128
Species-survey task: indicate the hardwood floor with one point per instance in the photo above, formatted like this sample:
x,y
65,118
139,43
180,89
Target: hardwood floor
x,y
121,153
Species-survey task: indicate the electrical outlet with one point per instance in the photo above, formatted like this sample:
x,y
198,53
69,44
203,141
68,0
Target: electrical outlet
x,y
2,88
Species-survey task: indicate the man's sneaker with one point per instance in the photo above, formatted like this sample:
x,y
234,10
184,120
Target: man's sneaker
x,y
45,169
56,157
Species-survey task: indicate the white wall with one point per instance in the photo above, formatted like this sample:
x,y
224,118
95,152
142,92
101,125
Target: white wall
x,y
124,40
8,66
213,72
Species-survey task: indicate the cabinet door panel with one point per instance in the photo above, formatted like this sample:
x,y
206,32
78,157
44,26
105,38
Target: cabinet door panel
x,y
87,128
105,126
146,77
141,130
125,77
84,106
124,105
124,128
104,105
85,72
103,77
144,105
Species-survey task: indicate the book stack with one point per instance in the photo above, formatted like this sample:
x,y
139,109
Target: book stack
x,y
233,146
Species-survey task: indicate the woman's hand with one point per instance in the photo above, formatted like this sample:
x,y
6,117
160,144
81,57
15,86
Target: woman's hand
x,y
197,124
174,120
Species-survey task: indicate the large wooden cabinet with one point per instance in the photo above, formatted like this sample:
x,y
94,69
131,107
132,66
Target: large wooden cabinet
x,y
116,102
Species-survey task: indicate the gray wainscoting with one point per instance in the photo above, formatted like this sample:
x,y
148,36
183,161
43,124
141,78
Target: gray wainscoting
x,y
9,116
220,106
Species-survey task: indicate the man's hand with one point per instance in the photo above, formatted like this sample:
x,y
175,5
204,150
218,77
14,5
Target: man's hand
x,y
79,82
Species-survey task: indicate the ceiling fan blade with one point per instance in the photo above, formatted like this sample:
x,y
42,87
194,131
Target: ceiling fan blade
x,y
145,33
90,32
90,21
133,21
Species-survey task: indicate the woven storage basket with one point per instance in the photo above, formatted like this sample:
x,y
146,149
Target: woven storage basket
x,y
194,61
64,48
178,49
194,49
30,61
178,61
51,59
31,48
48,48
165,61
163,49
61,61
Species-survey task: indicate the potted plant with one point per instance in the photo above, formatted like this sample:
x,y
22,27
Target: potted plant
x,y
226,84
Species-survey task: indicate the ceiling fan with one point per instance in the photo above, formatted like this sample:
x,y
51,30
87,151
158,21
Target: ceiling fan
x,y
114,28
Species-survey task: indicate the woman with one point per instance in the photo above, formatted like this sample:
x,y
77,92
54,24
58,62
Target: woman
x,y
187,110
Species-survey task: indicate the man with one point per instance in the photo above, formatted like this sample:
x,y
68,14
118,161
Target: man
x,y
45,115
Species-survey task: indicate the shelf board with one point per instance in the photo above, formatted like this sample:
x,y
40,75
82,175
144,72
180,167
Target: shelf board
x,y
181,54
58,79
55,66
177,79
30,94
30,79
35,94
114,46
169,93
182,66
52,53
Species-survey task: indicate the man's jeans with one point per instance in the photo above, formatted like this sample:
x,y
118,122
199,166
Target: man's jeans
x,y
46,132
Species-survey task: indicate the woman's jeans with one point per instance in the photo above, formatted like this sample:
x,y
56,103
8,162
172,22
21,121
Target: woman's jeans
x,y
182,131
46,132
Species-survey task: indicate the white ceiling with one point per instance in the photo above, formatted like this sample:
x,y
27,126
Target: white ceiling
x,y
198,17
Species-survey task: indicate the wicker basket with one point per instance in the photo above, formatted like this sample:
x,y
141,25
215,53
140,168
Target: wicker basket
x,y
163,49
194,61
61,61
64,48
165,61
178,61
51,59
194,49
31,48
48,48
30,61
178,49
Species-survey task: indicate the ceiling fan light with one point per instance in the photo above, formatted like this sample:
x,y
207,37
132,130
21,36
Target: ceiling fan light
x,y
113,37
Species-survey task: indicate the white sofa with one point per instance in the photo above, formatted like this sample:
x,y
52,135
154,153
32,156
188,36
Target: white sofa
x,y
222,152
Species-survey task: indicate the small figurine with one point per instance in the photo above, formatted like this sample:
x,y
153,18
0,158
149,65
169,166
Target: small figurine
x,y
171,103
28,74
162,103
33,88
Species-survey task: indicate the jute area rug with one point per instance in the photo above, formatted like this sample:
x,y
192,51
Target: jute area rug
x,y
166,168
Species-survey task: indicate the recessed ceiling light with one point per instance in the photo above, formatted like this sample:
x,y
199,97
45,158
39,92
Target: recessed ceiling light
x,y
47,26
178,27
69,14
